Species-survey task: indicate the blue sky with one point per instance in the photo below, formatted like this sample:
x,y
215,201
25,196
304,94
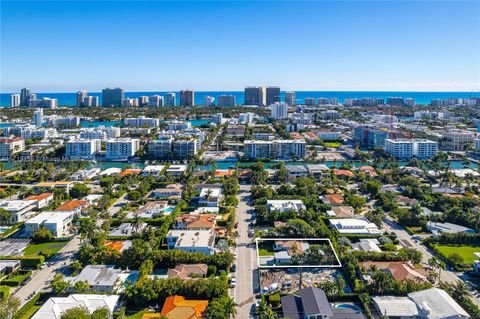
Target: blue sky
x,y
55,46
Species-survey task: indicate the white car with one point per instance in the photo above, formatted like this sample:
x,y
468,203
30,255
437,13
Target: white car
x,y
233,282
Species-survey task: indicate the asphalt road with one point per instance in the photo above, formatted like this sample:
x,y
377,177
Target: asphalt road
x,y
407,241
40,278
246,263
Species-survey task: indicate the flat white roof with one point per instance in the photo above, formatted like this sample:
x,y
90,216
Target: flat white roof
x,y
16,205
55,306
50,217
192,238
396,306
284,201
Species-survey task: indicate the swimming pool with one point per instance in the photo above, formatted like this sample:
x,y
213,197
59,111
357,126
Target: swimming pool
x,y
168,210
133,277
347,306
3,229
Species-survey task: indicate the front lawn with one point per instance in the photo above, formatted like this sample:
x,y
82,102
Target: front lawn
x,y
53,247
332,144
265,248
466,252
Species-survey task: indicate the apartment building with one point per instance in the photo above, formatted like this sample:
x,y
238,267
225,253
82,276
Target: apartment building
x,y
370,137
276,149
11,145
82,149
406,149
456,140
122,148
141,121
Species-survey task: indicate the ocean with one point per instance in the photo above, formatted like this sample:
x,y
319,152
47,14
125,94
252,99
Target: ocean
x,y
69,99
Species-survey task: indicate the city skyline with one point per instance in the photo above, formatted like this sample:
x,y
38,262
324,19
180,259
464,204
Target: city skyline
x,y
406,47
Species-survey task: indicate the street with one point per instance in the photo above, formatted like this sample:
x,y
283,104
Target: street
x,y
41,278
406,240
246,263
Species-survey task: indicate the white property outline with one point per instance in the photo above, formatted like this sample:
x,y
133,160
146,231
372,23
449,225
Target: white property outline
x,y
297,266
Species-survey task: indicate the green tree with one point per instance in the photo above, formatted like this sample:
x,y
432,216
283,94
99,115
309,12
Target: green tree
x,y
101,313
5,217
81,287
259,174
221,308
42,235
79,312
79,190
264,311
282,173
8,307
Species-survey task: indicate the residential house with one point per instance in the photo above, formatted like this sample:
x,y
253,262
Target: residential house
x,y
354,226
283,205
188,271
333,199
210,196
75,206
105,278
42,200
57,222
19,210
172,191
192,240
431,303
312,303
195,222
177,307
54,307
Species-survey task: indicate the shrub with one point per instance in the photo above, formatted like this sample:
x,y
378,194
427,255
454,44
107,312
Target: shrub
x,y
212,270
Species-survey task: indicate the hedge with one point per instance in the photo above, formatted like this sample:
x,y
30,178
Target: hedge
x,y
26,311
16,280
32,261
4,292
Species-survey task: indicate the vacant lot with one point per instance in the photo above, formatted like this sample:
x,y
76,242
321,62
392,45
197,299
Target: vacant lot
x,y
467,252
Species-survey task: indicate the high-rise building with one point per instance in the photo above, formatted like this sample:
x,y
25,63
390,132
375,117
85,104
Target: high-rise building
x,y
25,96
255,95
170,99
279,110
15,100
370,137
91,101
409,102
143,100
208,101
81,95
276,149
310,101
38,117
290,98
406,149
187,98
122,148
395,101
82,149
246,118
112,96
155,100
49,103
273,94
128,102
226,100
10,146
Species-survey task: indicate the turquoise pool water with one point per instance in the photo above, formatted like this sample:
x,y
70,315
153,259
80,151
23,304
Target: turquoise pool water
x,y
168,210
3,229
133,277
348,306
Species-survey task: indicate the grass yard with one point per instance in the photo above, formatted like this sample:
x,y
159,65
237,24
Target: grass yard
x,y
265,248
332,144
467,252
36,249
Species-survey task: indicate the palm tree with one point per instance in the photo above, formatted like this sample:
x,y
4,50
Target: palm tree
x,y
208,194
230,307
86,229
460,290
136,223
264,311
437,264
